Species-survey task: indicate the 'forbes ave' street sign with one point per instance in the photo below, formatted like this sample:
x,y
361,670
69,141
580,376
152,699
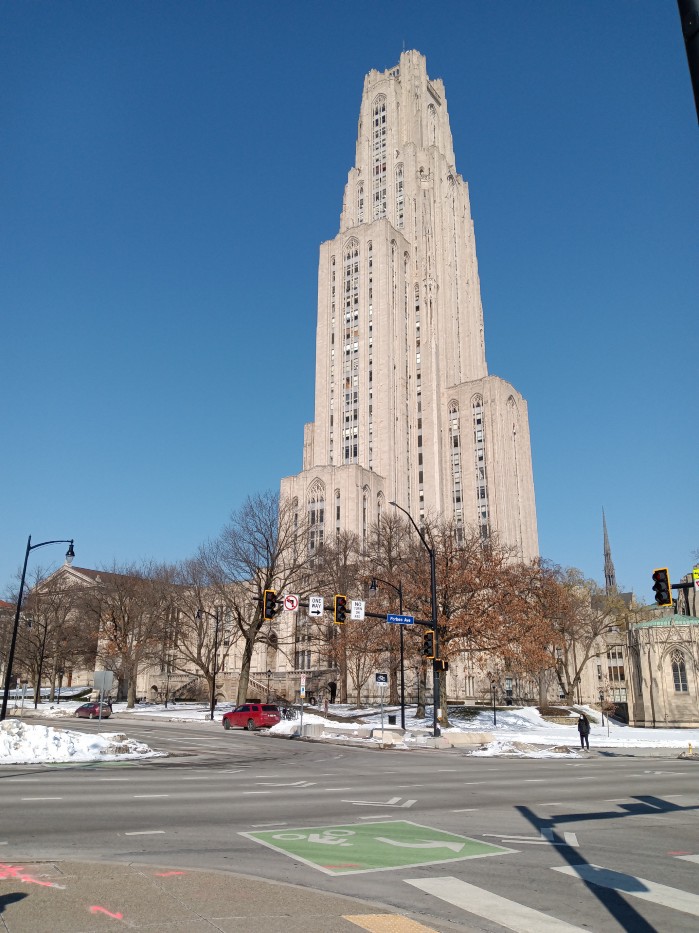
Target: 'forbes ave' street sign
x,y
401,620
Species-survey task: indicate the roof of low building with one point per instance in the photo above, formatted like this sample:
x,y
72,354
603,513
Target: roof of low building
x,y
674,620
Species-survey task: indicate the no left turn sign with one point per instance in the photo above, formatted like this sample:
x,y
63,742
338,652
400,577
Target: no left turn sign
x,y
291,603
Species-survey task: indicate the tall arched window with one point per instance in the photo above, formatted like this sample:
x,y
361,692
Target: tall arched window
x,y
456,477
349,414
483,516
360,204
316,515
400,201
378,154
679,671
431,125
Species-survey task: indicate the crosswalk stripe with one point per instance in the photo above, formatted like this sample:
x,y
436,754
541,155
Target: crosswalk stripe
x,y
635,887
482,903
686,858
388,923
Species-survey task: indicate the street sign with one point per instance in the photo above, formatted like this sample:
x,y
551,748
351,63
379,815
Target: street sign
x,y
401,620
103,680
357,613
315,606
695,575
302,688
381,680
291,603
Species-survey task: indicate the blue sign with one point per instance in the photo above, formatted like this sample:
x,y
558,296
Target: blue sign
x,y
401,620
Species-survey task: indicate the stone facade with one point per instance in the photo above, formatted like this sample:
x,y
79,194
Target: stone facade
x,y
405,409
664,661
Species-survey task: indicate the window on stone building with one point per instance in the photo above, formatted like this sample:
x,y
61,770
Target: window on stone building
x,y
679,672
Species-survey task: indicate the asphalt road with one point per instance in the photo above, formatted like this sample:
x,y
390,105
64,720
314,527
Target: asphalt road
x,y
609,843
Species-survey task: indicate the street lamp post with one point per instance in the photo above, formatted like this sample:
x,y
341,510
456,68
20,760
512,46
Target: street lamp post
x,y
492,691
433,600
399,590
70,554
269,675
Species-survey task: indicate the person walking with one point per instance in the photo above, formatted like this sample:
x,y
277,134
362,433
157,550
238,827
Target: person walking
x,y
584,730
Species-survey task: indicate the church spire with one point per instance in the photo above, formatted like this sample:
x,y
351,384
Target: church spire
x,y
609,574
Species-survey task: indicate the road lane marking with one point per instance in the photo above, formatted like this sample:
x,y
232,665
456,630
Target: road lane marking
x,y
534,780
633,886
547,837
261,825
476,782
492,907
688,858
150,795
465,810
41,798
147,832
249,793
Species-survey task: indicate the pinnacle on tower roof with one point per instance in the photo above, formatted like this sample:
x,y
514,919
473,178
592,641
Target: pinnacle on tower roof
x,y
609,574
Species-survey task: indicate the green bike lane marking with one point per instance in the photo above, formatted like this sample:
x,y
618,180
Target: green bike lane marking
x,y
351,848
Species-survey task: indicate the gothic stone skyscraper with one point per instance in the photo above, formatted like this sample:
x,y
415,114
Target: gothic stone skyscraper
x,y
404,407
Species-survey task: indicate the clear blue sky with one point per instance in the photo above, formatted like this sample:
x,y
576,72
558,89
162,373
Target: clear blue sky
x,y
168,172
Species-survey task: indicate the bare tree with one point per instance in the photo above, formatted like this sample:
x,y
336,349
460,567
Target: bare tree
x,y
263,547
580,614
336,569
51,632
132,608
199,639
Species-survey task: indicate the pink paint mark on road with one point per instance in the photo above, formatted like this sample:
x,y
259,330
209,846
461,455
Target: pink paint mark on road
x,y
167,874
103,910
679,853
17,872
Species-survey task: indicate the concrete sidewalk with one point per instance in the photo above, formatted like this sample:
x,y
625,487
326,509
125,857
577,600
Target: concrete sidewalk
x,y
90,897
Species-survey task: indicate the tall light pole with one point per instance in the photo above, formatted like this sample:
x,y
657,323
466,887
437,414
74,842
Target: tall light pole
x,y
399,590
70,554
433,598
213,615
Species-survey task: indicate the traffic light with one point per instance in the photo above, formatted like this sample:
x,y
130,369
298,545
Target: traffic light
x,y
428,644
340,609
270,607
661,586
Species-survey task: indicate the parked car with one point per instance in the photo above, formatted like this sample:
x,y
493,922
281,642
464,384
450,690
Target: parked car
x,y
252,716
92,711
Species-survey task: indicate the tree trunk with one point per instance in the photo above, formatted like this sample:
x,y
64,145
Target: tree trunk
x,y
444,718
131,692
421,689
244,678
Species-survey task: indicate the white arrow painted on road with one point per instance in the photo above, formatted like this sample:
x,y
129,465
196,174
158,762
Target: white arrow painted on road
x,y
429,844
393,802
293,784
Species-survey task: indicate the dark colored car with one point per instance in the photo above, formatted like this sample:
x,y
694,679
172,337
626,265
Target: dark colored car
x,y
92,711
252,716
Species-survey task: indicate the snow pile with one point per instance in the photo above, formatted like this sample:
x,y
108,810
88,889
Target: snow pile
x,y
524,750
21,743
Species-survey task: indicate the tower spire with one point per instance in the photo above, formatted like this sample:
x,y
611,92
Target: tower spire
x,y
609,574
